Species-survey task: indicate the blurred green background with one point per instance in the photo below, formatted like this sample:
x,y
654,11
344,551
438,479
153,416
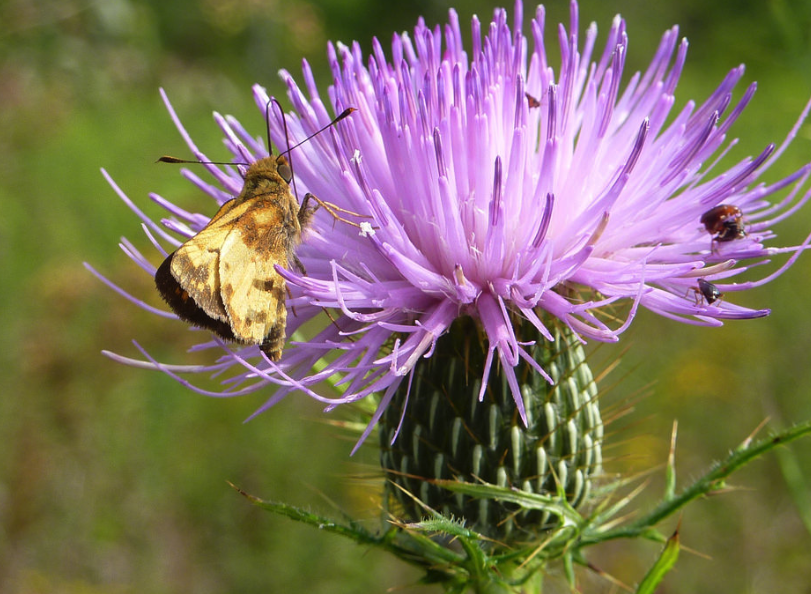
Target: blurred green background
x,y
113,480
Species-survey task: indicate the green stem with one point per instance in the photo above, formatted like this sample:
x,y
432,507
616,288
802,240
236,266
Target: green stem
x,y
711,481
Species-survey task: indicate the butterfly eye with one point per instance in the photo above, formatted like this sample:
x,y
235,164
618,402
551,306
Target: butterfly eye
x,y
284,170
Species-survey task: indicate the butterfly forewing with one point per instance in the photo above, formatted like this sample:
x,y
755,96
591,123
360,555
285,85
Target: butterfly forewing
x,y
252,290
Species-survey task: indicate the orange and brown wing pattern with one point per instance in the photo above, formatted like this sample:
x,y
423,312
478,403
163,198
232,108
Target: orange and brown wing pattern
x,y
253,292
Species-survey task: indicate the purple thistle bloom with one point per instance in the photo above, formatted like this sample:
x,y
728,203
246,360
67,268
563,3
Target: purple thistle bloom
x,y
499,189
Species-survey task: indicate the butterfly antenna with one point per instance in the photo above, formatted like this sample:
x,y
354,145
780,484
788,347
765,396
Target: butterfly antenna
x,y
287,140
168,159
288,152
340,116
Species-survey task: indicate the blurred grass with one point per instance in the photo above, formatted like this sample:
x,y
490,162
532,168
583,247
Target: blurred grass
x,y
114,480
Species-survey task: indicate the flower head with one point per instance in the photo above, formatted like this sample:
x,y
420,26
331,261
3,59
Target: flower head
x,y
497,188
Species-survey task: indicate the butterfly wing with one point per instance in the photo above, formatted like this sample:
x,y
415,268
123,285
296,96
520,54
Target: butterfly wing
x,y
253,293
189,280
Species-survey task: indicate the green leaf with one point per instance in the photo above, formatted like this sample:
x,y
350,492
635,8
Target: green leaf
x,y
663,565
556,505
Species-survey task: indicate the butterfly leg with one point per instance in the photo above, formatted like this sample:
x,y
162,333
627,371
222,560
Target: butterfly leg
x,y
332,209
305,211
298,264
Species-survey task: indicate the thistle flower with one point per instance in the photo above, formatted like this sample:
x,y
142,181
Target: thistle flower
x,y
496,189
